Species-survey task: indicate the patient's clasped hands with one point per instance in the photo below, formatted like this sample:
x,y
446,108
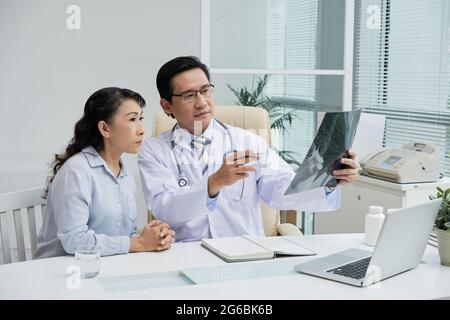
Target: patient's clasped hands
x,y
156,236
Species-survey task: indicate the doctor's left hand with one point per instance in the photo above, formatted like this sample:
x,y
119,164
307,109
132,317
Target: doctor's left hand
x,y
350,173
234,168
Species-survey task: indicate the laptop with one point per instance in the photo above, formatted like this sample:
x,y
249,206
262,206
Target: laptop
x,y
400,247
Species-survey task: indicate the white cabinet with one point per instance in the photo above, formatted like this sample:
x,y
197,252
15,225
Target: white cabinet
x,y
364,192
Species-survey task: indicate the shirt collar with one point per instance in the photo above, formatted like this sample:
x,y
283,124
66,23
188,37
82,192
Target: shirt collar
x,y
95,160
181,134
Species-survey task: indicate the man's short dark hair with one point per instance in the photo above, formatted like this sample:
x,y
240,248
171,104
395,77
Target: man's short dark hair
x,y
173,67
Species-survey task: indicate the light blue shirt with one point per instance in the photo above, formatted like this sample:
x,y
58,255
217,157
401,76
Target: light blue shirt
x,y
87,204
190,211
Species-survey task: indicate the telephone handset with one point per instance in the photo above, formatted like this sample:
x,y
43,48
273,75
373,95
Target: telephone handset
x,y
413,163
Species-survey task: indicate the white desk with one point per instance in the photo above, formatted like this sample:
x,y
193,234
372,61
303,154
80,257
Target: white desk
x,y
47,278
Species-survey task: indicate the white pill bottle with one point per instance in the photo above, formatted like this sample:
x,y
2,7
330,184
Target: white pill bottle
x,y
374,222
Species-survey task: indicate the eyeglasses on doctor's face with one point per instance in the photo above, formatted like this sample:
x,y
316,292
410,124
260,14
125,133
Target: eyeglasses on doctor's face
x,y
189,96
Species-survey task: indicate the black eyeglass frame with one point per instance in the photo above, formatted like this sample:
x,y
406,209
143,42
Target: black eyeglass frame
x,y
209,86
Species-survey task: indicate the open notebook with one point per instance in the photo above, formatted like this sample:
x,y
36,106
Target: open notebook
x,y
247,248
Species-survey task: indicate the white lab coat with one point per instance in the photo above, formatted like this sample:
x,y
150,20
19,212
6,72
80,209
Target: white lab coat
x,y
190,211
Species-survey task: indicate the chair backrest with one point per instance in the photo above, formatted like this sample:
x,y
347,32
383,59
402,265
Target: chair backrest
x,y
19,211
255,119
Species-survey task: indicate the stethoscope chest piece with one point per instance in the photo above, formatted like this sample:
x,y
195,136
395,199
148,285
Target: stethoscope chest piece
x,y
182,182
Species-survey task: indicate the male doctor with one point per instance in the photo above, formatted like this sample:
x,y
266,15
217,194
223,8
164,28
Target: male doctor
x,y
205,178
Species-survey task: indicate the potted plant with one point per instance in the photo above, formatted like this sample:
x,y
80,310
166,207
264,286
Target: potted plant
x,y
442,225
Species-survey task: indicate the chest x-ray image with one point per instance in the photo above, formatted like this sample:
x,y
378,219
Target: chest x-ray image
x,y
334,137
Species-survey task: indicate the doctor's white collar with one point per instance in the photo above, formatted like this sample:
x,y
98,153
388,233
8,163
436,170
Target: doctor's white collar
x,y
180,134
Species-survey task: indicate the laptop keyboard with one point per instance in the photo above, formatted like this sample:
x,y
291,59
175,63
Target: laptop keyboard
x,y
355,270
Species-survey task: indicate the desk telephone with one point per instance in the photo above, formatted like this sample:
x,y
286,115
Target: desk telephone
x,y
415,162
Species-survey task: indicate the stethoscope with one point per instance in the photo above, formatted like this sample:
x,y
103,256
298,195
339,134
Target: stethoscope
x,y
183,181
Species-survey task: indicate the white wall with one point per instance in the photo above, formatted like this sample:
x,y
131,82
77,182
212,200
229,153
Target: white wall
x,y
238,41
47,71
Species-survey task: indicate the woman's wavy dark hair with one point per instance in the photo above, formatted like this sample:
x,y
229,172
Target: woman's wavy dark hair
x,y
102,105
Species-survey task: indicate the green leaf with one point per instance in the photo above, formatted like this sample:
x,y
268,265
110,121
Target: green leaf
x,y
443,218
446,193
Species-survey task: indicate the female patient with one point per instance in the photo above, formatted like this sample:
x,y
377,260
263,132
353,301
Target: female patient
x,y
91,196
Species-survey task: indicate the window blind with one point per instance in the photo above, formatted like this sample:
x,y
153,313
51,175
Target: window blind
x,y
401,70
291,45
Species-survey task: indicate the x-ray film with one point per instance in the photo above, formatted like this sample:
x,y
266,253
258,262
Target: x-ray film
x,y
334,137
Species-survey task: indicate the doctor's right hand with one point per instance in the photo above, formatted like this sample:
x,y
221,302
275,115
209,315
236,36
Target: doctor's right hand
x,y
232,170
156,236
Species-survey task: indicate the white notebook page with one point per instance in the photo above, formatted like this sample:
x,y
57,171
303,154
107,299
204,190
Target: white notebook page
x,y
236,247
280,245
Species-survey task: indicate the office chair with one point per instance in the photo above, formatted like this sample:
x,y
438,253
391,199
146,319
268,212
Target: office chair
x,y
20,210
247,118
